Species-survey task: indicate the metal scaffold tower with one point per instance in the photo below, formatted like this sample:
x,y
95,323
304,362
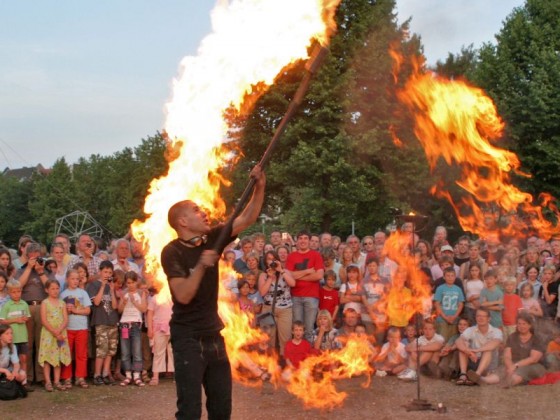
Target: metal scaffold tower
x,y
77,223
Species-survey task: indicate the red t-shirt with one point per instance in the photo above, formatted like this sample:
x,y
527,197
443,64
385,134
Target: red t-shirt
x,y
298,261
328,299
512,305
296,353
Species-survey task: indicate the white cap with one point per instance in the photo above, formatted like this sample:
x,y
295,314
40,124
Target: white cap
x,y
446,248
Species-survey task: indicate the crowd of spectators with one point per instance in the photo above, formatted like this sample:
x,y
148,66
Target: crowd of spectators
x,y
489,309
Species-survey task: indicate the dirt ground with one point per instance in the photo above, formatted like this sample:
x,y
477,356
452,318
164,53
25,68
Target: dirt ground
x,y
383,399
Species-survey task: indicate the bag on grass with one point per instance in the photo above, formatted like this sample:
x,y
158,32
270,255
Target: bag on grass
x,y
11,390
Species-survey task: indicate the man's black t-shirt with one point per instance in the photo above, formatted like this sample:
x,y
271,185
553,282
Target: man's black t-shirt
x,y
200,316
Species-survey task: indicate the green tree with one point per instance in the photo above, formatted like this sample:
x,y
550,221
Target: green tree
x,y
461,65
53,196
521,73
14,212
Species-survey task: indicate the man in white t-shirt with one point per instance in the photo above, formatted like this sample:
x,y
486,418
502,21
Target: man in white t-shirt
x,y
478,351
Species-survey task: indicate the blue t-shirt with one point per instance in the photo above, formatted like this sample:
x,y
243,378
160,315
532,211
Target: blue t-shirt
x,y
80,299
490,296
449,298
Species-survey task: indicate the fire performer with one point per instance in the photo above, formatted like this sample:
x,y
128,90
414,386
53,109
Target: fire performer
x,y
190,265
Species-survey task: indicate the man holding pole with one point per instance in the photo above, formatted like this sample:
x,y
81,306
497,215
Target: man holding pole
x,y
190,263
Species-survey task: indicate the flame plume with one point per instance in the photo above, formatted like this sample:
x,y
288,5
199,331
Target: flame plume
x,y
460,124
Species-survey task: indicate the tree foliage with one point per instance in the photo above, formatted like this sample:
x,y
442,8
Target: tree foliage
x,y
521,73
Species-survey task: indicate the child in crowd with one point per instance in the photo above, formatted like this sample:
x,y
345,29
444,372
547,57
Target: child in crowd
x,y
492,298
9,361
146,346
324,336
328,295
78,306
530,304
424,353
15,314
375,290
83,274
512,306
393,358
297,349
449,358
4,297
410,334
104,319
53,348
548,295
132,305
449,301
245,303
158,317
361,334
473,285
552,357
254,295
351,292
399,300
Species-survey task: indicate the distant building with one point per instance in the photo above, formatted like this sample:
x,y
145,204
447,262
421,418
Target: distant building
x,y
24,174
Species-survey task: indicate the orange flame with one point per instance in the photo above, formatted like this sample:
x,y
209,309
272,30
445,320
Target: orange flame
x,y
459,123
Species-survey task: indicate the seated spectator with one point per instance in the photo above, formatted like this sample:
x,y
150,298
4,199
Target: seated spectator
x,y
523,353
478,351
410,334
424,352
297,349
9,361
324,336
449,356
393,358
552,357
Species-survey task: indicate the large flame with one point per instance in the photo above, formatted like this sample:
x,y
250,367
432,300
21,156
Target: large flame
x,y
459,123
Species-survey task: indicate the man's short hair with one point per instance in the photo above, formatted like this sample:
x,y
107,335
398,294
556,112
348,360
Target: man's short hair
x,y
175,212
32,247
485,310
303,233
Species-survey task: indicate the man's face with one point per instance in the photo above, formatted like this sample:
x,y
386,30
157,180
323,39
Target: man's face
x,y
85,244
429,331
326,240
62,240
380,238
463,246
247,247
354,244
351,319
258,245
482,318
122,250
314,242
555,247
474,252
275,239
194,219
369,244
303,242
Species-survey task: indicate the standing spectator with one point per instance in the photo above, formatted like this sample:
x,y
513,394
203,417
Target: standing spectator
x,y
446,256
478,351
6,264
329,260
358,256
133,304
85,248
512,306
15,314
58,254
276,282
159,316
122,260
328,295
473,285
548,294
4,296
492,298
24,240
78,306
275,238
53,350
440,236
104,319
259,240
240,264
64,240
307,269
137,254
462,255
314,242
474,258
33,279
449,301
325,240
